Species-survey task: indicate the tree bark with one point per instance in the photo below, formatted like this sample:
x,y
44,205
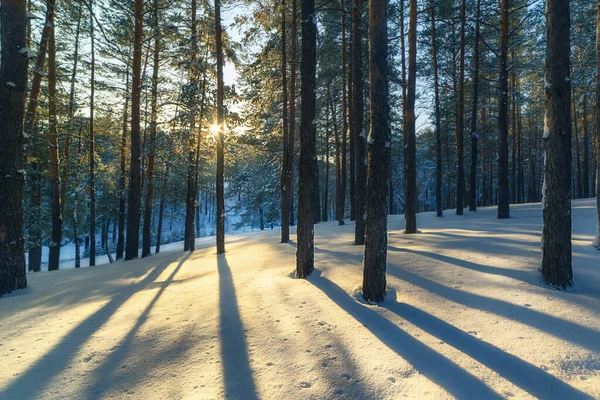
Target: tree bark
x,y
148,205
474,136
292,115
325,208
438,138
577,192
586,152
410,161
55,206
342,191
122,171
503,184
358,133
460,128
13,85
556,205
378,169
92,159
219,137
307,165
596,242
286,164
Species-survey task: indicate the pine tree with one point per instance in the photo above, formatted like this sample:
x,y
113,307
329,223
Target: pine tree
x,y
378,168
219,136
556,204
13,85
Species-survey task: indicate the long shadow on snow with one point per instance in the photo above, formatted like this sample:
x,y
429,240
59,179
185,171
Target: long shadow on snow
x,y
36,378
104,375
563,329
527,376
523,374
234,351
427,361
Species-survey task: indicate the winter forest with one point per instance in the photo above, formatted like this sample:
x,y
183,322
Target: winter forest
x,y
324,199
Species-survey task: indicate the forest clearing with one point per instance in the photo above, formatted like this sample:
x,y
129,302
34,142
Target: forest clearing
x,y
466,316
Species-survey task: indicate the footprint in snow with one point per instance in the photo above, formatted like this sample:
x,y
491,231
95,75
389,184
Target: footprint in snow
x,y
269,364
392,379
305,385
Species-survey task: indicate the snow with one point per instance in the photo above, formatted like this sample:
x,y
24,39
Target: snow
x,y
466,316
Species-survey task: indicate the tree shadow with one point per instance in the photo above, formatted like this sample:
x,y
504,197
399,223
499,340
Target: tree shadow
x,y
104,374
558,327
528,377
444,372
239,383
31,383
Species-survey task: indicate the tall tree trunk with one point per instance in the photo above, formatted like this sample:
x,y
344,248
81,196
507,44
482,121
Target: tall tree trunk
x,y
597,126
586,152
190,203
55,206
360,142
513,137
76,205
577,192
292,116
520,183
123,171
438,138
342,191
338,166
35,233
220,155
286,164
38,72
92,144
556,206
161,207
325,208
351,137
13,85
378,169
147,228
460,128
134,197
307,165
503,185
474,136
410,156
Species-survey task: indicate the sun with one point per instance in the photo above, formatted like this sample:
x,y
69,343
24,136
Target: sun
x,y
214,130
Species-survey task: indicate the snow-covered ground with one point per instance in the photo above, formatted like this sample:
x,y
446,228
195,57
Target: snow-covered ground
x,y
467,316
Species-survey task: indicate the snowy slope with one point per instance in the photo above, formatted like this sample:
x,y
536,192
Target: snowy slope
x,y
467,316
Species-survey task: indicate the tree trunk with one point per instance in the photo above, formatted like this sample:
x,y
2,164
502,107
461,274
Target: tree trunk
x,y
586,152
342,192
474,136
410,156
513,137
438,138
134,197
338,166
219,137
460,128
122,171
503,185
161,207
56,212
286,164
147,228
92,145
358,133
577,192
378,169
556,205
13,85
292,116
76,205
597,125
325,209
307,165
35,234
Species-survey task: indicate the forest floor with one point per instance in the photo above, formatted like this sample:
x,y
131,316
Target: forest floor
x,y
467,316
